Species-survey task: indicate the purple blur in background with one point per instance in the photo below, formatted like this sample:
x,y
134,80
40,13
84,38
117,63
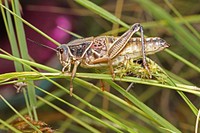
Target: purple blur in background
x,y
46,22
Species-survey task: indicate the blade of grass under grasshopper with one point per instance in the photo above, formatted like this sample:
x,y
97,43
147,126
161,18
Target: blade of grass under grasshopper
x,y
35,76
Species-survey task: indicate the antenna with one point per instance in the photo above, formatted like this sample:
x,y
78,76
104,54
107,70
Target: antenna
x,y
40,44
69,32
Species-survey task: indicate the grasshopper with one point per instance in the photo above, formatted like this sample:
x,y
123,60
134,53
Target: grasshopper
x,y
101,51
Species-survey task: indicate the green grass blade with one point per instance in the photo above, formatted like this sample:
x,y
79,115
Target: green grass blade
x,y
182,19
24,54
14,46
197,122
34,64
189,103
11,107
100,11
11,36
9,126
20,33
157,118
91,129
57,93
194,67
31,26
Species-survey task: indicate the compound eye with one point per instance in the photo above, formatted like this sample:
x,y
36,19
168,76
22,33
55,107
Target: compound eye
x,y
60,50
162,41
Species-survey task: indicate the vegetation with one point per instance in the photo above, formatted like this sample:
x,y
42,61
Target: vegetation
x,y
168,102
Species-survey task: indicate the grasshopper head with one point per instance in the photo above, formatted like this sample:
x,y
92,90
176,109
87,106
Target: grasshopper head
x,y
63,54
163,43
155,44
